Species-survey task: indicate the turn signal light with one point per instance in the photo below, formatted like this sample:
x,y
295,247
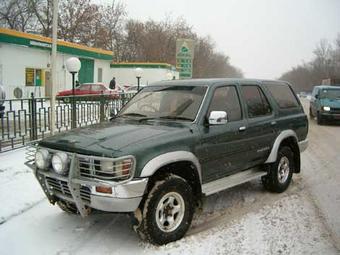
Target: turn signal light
x,y
103,189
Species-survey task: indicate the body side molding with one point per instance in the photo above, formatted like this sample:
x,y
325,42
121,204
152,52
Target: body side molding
x,y
283,135
170,157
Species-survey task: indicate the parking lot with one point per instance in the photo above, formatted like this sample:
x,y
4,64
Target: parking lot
x,y
242,220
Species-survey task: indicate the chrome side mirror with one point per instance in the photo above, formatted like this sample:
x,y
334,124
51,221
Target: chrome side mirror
x,y
218,118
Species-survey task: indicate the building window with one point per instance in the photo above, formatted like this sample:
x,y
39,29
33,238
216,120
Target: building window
x,y
33,77
100,74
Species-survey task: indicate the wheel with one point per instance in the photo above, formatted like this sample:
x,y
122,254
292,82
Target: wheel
x,y
319,118
280,173
167,211
310,113
67,207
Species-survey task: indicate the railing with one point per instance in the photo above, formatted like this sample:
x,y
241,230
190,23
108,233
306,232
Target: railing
x,y
26,120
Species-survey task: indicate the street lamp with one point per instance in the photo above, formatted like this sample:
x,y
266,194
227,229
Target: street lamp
x,y
73,66
138,72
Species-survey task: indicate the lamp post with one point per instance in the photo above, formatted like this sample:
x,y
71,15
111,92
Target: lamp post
x,y
73,66
138,72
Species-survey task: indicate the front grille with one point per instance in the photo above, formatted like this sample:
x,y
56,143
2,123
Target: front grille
x,y
61,187
91,167
335,110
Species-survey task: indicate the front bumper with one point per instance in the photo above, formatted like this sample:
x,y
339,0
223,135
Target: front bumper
x,y
81,191
124,198
330,115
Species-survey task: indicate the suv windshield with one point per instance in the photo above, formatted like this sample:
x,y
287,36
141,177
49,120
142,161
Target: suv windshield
x,y
330,93
169,102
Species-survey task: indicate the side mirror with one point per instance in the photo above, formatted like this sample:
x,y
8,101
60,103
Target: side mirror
x,y
316,96
218,118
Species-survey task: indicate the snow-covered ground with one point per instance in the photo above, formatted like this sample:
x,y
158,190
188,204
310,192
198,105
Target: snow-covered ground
x,y
242,220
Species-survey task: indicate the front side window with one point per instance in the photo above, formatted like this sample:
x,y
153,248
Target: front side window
x,y
256,102
167,102
226,99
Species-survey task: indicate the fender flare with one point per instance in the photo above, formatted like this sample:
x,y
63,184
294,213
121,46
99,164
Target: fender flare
x,y
171,157
283,135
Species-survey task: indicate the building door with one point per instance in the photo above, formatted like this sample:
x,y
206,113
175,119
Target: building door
x,y
86,71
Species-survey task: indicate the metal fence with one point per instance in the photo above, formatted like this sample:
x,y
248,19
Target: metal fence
x,y
26,120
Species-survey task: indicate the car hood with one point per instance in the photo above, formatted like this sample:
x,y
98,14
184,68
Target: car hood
x,y
333,103
110,139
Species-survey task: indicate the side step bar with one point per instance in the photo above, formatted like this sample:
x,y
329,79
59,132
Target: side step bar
x,y
231,181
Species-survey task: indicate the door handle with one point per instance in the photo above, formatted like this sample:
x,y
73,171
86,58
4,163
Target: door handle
x,y
242,128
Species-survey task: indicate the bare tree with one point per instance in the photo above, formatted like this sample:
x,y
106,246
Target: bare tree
x,y
17,14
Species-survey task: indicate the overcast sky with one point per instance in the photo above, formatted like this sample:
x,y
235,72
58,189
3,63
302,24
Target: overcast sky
x,y
262,37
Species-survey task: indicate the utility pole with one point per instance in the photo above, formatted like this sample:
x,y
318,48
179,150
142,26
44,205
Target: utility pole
x,y
54,65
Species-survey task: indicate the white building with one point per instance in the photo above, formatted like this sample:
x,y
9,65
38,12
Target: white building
x,y
25,63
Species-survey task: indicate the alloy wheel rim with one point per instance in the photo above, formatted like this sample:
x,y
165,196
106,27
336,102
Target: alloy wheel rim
x,y
283,169
170,211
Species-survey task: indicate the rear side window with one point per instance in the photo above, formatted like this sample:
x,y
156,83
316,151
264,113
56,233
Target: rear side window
x,y
283,95
226,99
256,101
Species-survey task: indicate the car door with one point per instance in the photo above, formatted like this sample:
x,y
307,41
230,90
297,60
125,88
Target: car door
x,y
223,146
260,129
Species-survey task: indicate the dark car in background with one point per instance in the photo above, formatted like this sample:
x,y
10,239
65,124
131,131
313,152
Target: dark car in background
x,y
325,103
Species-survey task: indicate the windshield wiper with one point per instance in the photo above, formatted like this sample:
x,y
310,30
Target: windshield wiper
x,y
172,117
134,114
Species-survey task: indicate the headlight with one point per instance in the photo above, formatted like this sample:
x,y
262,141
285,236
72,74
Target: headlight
x,y
119,169
326,108
42,159
60,163
106,166
123,168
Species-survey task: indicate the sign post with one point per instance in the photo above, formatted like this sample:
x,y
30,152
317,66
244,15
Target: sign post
x,y
184,57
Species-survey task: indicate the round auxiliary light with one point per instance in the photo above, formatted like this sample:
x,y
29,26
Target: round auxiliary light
x,y
42,158
60,163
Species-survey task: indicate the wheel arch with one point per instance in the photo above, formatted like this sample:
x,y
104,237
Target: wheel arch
x,y
182,163
286,138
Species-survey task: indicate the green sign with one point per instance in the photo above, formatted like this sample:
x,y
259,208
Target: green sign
x,y
184,57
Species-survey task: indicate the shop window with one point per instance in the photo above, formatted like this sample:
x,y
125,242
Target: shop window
x,y
33,77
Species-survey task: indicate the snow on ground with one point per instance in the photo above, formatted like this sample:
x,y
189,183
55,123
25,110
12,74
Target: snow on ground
x,y
19,189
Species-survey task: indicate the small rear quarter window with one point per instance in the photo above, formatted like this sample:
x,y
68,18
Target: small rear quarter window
x,y
283,95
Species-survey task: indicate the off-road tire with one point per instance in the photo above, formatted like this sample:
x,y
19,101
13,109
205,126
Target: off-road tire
x,y
271,180
319,119
68,207
147,227
311,113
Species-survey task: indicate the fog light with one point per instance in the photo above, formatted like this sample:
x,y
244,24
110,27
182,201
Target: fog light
x,y
326,108
103,189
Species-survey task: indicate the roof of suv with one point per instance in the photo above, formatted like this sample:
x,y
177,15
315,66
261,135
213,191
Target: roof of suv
x,y
210,82
328,87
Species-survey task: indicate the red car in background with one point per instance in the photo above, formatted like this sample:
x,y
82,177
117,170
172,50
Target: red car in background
x,y
89,89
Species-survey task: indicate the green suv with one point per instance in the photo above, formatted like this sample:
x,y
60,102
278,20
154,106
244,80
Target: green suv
x,y
171,144
325,103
